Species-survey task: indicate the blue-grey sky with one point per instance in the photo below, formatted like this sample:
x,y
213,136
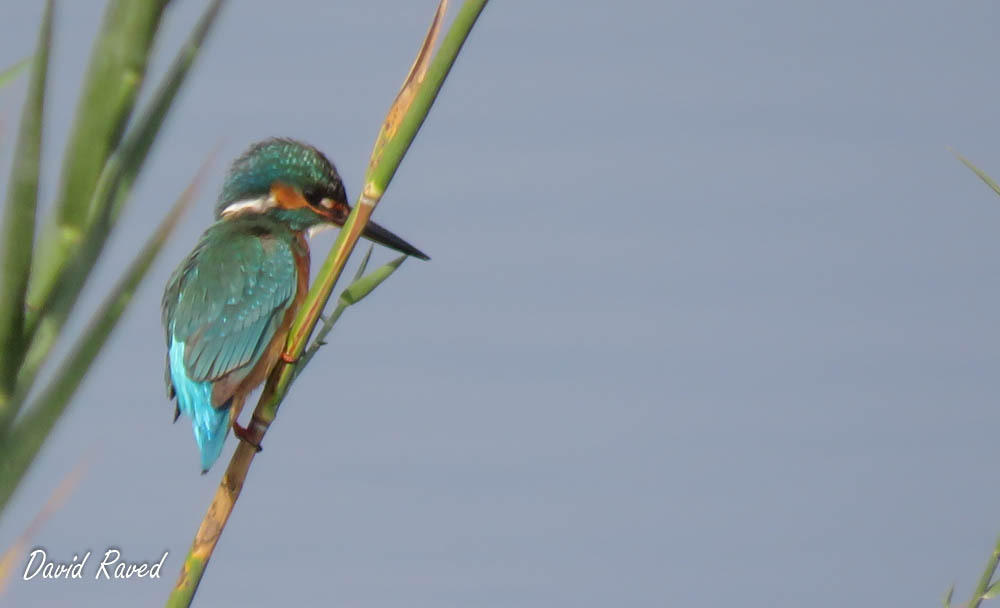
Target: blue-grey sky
x,y
711,316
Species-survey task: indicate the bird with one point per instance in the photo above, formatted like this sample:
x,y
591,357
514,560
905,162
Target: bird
x,y
228,306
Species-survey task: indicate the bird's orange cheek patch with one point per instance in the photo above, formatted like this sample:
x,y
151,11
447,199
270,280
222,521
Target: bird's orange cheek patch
x,y
287,197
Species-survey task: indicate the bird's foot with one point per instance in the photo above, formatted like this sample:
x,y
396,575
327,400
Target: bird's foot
x,y
244,435
289,359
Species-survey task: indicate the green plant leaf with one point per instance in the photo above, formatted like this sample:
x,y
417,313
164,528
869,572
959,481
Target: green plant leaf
x,y
124,166
112,189
979,172
946,601
117,68
26,437
9,74
360,288
993,591
364,263
19,220
355,292
381,172
984,580
411,84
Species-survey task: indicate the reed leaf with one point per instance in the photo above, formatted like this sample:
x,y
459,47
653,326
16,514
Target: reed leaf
x,y
983,587
29,431
411,84
361,288
358,290
979,172
9,74
993,591
15,553
19,219
112,189
381,172
117,68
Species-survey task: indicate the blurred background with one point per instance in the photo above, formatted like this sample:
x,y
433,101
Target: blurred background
x,y
712,313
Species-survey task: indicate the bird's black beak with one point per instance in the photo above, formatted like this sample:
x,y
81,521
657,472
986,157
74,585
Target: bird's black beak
x,y
382,236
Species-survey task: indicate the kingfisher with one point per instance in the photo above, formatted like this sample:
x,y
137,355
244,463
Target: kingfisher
x,y
228,307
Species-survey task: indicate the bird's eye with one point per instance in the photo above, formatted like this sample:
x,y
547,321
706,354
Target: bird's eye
x,y
313,197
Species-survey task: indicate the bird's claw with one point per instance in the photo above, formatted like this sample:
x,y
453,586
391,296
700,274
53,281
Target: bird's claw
x,y
243,434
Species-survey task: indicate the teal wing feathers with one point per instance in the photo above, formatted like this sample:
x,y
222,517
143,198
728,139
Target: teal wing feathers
x,y
221,310
227,301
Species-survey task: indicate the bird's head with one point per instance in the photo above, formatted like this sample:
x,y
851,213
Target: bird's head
x,y
294,183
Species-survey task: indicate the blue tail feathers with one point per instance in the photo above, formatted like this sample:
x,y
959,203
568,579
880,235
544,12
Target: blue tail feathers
x,y
211,424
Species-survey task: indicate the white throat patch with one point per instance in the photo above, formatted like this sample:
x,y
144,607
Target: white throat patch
x,y
314,230
257,205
